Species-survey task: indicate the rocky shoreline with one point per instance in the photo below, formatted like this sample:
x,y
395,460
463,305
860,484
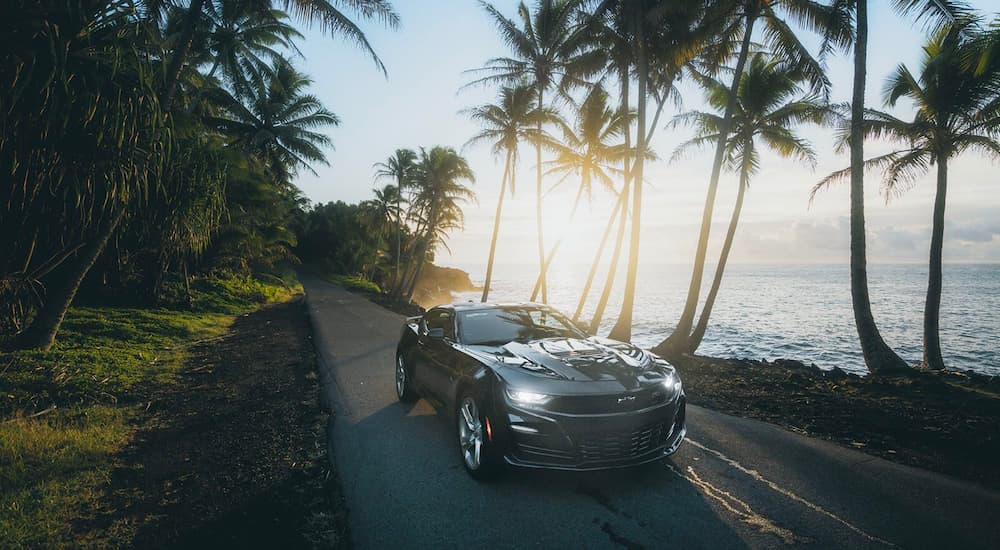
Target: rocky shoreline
x,y
942,421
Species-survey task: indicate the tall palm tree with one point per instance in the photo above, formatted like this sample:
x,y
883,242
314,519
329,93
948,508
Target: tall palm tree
x,y
381,217
745,16
957,110
328,15
513,119
653,39
398,168
591,149
879,357
278,123
438,194
767,107
549,49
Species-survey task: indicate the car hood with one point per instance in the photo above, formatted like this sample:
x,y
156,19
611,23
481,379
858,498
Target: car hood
x,y
574,359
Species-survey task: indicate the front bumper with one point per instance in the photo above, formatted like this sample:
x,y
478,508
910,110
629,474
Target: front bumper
x,y
543,439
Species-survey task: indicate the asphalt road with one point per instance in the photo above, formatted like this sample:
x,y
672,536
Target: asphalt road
x,y
734,483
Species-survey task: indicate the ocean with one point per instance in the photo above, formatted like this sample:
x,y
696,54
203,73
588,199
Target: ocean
x,y
800,312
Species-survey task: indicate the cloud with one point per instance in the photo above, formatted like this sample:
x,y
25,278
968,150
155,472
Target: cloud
x,y
980,231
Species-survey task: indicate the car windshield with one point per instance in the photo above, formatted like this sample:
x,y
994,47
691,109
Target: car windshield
x,y
499,326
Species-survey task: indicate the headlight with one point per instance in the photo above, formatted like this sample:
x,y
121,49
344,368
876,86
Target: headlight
x,y
672,382
526,397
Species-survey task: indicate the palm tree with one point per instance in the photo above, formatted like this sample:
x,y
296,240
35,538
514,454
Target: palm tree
x,y
438,194
380,214
590,149
505,125
745,16
879,357
549,47
399,168
278,123
322,12
241,42
766,108
957,110
80,143
655,40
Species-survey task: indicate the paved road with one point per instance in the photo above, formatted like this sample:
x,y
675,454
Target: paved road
x,y
735,483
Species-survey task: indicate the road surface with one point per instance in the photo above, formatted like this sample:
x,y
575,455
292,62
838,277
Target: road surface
x,y
735,483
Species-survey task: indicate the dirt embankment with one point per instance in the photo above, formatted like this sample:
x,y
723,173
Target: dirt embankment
x,y
948,421
235,454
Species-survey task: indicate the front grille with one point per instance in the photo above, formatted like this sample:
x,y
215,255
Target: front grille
x,y
531,452
623,445
605,404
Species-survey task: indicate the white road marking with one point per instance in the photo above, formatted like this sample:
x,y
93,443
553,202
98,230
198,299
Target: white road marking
x,y
734,505
777,488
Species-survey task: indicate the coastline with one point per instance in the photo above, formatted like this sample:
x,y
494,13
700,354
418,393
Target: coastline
x,y
940,421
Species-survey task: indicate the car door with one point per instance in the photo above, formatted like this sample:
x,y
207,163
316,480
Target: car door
x,y
433,352
443,356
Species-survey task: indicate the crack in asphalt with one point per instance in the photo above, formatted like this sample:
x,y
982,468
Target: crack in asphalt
x,y
619,539
754,474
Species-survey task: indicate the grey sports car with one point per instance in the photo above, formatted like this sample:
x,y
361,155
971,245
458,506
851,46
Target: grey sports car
x,y
527,387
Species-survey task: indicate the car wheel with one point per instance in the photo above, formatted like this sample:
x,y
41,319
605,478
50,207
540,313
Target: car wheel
x,y
404,386
478,452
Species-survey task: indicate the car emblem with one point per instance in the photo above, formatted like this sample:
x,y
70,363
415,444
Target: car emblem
x,y
626,399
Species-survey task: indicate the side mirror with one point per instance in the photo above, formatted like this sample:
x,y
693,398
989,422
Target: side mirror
x,y
435,333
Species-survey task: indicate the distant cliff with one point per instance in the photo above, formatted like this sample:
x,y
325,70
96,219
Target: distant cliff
x,y
437,284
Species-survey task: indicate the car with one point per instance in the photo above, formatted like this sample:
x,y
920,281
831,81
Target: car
x,y
526,386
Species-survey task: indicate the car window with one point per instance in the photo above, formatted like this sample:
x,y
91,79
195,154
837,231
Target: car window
x,y
441,318
499,326
543,318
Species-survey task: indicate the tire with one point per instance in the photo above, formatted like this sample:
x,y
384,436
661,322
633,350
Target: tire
x,y
479,454
404,383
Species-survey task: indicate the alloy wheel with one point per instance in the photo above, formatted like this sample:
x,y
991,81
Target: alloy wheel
x,y
470,433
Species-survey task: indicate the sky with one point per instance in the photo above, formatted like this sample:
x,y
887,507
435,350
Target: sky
x,y
419,104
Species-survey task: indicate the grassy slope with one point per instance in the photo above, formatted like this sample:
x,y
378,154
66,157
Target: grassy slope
x,y
88,389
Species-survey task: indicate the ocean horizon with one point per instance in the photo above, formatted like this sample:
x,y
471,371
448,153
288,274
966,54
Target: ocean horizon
x,y
790,311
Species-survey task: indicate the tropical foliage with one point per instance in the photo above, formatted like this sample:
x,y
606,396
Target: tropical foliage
x,y
389,239
146,143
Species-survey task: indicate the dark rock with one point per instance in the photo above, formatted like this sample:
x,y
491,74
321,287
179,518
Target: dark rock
x,y
836,373
790,364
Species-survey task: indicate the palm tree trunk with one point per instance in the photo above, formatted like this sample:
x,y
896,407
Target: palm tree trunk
x,y
597,258
706,311
538,198
878,355
602,302
496,228
201,90
932,309
187,283
399,238
678,340
180,54
422,258
609,283
623,327
42,332
416,278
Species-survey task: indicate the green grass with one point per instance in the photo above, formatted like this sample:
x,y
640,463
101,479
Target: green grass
x,y
354,282
53,467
